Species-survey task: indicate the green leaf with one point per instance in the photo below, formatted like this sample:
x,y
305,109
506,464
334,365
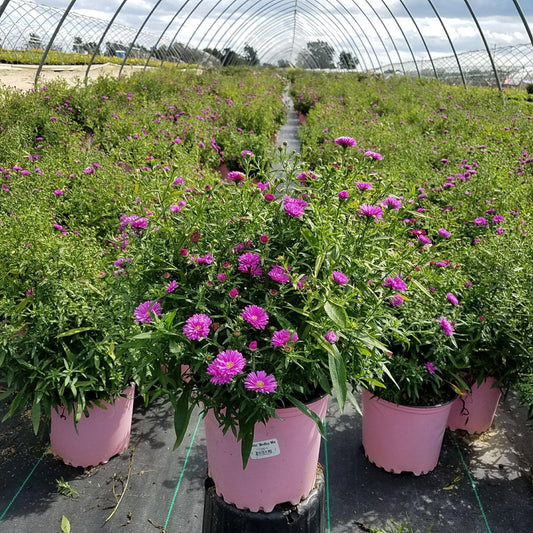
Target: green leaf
x,y
36,415
311,414
182,416
74,332
65,524
337,313
247,440
338,378
354,402
309,237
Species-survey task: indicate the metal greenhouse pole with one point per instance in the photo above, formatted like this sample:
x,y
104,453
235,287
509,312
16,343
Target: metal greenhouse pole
x,y
404,37
421,37
523,17
3,7
137,36
51,41
154,48
102,39
389,34
450,41
486,45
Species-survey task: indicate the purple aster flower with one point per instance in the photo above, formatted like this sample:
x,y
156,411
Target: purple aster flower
x,y
499,231
233,293
430,367
235,175
396,300
395,203
205,259
374,155
343,195
221,277
300,282
142,311
171,287
260,381
250,263
443,233
364,186
269,197
294,206
369,210
197,327
58,192
498,218
339,277
453,299
481,221
256,316
423,239
345,141
304,176
330,336
279,274
446,326
283,337
395,283
226,366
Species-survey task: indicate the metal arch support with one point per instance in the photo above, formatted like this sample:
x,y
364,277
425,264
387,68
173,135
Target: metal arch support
x,y
3,7
523,17
291,10
132,44
482,35
366,37
449,40
356,48
421,37
108,27
269,45
163,33
346,32
287,13
183,23
51,41
389,35
404,37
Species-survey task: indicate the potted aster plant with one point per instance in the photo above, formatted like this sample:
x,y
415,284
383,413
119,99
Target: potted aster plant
x,y
404,421
257,287
60,326
495,352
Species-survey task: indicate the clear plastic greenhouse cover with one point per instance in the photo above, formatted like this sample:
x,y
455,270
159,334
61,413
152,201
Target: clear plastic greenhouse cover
x,y
470,42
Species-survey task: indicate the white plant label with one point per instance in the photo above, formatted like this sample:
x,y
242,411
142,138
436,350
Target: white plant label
x,y
265,448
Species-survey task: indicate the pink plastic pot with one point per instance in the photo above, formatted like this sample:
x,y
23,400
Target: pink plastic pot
x,y
282,466
474,412
104,433
400,438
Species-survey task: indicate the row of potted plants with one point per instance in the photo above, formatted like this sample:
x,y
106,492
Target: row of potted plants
x,y
390,255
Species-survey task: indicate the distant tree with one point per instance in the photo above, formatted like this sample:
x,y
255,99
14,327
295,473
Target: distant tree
x,y
230,57
321,54
34,42
215,53
90,48
250,55
77,45
283,63
348,61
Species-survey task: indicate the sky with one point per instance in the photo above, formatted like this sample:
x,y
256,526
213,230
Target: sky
x,y
377,31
